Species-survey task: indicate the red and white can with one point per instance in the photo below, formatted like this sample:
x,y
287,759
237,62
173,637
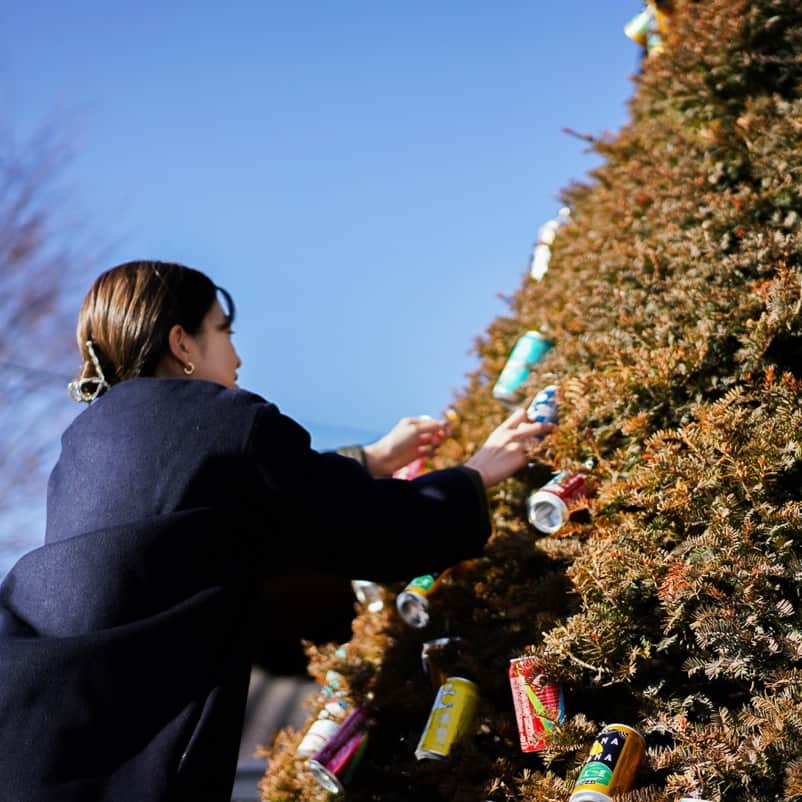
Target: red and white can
x,y
548,508
539,704
412,470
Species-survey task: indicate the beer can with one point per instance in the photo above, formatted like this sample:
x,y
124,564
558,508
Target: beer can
x,y
547,508
317,735
451,717
412,470
610,767
527,351
324,726
334,763
547,232
369,594
640,25
543,408
539,264
538,703
431,667
541,254
413,601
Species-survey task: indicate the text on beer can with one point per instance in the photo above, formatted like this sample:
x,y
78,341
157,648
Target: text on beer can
x,y
538,703
543,408
547,508
451,716
611,765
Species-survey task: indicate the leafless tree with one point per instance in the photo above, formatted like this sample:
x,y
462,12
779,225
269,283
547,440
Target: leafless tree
x,y
41,260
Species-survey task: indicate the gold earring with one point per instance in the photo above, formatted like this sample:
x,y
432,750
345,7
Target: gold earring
x,y
189,368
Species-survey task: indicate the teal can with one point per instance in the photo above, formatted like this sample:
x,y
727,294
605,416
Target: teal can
x,y
528,351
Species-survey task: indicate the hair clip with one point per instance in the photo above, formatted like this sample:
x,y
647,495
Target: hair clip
x,y
77,389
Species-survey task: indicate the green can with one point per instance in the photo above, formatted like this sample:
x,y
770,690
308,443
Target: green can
x,y
530,348
413,601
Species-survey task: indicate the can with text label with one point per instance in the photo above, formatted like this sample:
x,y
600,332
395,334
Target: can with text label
x,y
543,408
451,717
548,508
610,767
413,601
527,351
539,703
324,726
334,763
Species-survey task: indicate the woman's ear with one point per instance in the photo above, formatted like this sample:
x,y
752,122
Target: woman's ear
x,y
177,340
177,361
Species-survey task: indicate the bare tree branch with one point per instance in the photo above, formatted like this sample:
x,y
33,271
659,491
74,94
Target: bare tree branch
x,y
38,302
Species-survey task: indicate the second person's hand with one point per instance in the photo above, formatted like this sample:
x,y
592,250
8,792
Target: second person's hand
x,y
409,439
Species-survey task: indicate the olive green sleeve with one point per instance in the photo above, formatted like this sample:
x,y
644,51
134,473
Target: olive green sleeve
x,y
355,452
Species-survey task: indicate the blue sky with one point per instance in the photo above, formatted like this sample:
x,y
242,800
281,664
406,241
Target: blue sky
x,y
364,178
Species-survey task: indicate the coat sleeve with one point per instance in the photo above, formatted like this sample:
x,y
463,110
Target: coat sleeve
x,y
333,516
355,452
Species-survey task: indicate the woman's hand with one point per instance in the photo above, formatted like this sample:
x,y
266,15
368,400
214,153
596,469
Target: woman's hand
x,y
409,439
507,448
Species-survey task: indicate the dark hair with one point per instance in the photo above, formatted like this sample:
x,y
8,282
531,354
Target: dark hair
x,y
127,316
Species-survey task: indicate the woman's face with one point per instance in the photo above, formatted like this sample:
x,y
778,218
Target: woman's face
x,y
215,357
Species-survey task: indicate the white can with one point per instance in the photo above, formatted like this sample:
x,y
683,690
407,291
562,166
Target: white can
x,y
370,594
324,726
316,736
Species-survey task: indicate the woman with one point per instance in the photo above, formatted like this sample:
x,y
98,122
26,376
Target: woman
x,y
126,640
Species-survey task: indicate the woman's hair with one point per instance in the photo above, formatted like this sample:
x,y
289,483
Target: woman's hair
x,y
126,317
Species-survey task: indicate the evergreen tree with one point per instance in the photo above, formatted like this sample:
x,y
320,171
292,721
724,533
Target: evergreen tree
x,y
672,598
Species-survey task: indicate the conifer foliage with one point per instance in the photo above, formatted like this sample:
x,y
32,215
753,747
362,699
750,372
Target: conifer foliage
x,y
672,599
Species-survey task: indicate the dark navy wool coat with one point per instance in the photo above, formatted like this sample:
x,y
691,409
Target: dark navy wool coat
x,y
125,640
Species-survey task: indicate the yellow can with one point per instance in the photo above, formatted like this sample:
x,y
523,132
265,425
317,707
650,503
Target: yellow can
x,y
611,765
451,716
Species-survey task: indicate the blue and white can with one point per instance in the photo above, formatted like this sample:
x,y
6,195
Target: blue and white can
x,y
528,350
543,408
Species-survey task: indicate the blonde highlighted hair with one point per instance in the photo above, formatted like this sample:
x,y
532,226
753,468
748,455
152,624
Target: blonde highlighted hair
x,y
126,317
